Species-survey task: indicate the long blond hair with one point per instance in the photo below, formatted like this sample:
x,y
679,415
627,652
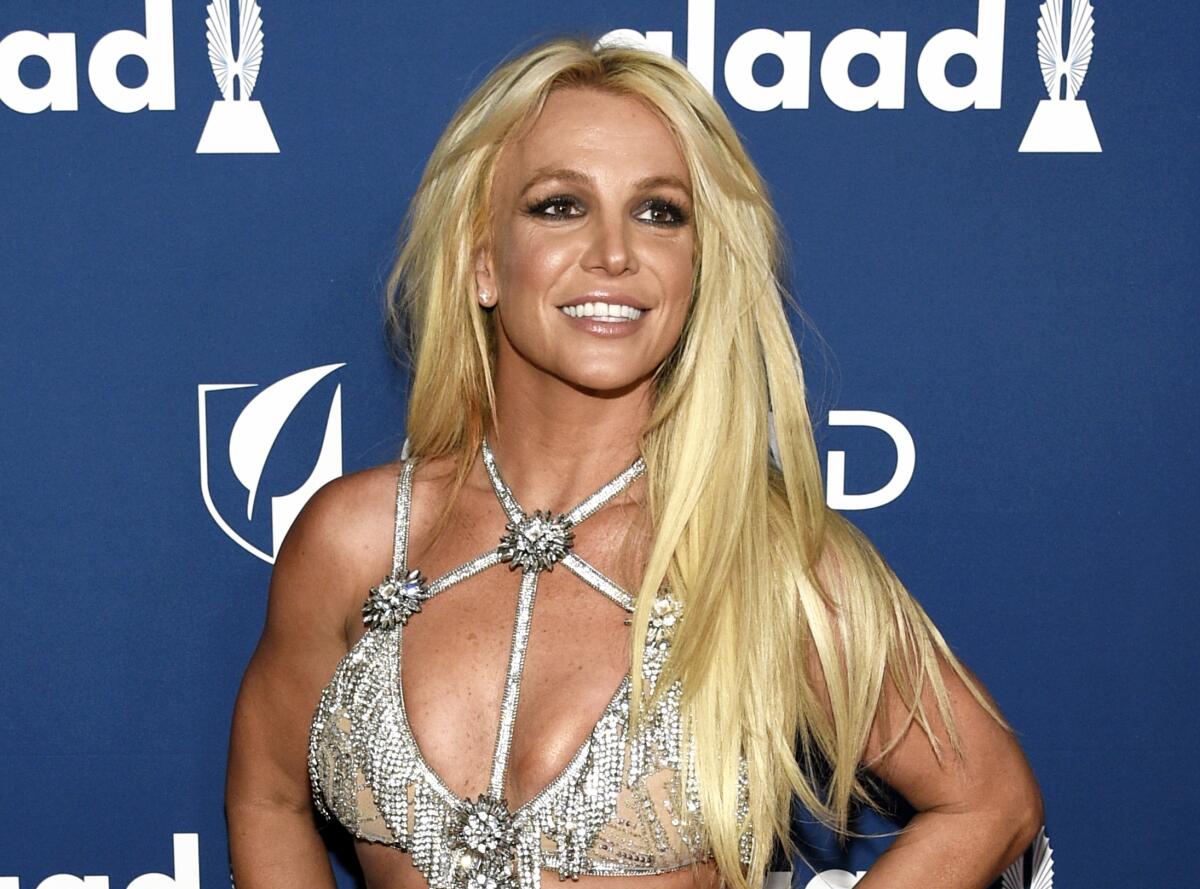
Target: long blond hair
x,y
769,576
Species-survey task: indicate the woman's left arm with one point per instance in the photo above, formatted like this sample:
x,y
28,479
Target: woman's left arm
x,y
975,814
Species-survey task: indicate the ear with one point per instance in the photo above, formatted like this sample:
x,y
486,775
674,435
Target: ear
x,y
485,279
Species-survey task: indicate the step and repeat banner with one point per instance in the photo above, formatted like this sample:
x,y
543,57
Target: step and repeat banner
x,y
992,213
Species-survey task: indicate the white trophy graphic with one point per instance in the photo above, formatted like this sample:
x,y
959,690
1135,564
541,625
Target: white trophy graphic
x,y
236,125
1063,124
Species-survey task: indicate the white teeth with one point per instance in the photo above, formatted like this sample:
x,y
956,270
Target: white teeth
x,y
603,311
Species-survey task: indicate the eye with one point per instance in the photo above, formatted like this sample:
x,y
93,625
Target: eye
x,y
656,211
564,207
663,212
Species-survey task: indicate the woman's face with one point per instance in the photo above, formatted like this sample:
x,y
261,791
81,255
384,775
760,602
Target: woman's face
x,y
590,264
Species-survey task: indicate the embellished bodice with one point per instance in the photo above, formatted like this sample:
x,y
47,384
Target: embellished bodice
x,y
615,808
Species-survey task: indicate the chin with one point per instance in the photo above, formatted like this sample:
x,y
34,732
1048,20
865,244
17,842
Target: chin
x,y
611,381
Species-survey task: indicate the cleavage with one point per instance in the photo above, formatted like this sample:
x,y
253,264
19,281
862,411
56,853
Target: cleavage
x,y
455,656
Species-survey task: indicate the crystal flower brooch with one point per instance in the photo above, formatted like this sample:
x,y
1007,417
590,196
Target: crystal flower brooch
x,y
394,600
536,542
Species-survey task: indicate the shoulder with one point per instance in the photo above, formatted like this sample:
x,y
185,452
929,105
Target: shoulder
x,y
433,485
338,546
346,513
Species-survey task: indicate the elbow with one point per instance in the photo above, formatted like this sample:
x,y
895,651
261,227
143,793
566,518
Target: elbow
x,y
1027,815
1014,815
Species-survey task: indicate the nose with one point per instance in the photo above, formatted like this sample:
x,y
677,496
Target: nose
x,y
610,246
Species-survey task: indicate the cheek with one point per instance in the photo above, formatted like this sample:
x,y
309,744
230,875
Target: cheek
x,y
675,264
530,262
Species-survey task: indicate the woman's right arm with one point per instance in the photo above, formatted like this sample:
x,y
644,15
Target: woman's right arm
x,y
273,838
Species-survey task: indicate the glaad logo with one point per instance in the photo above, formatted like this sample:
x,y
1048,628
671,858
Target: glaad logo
x,y
1063,124
1060,124
61,91
794,50
187,872
236,124
250,440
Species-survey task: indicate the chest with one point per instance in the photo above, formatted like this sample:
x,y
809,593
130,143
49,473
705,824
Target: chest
x,y
460,653
455,660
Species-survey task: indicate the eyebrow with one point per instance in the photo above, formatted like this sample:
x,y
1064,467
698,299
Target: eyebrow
x,y
570,175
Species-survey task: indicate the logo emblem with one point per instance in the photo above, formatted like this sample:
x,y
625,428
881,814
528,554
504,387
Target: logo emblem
x,y
250,433
1063,123
236,123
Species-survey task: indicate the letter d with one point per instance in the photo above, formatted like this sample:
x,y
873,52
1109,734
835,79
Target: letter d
x,y
986,48
156,48
187,867
906,459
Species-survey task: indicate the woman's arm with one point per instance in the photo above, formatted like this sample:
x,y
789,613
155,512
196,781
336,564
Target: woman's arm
x,y
975,815
273,838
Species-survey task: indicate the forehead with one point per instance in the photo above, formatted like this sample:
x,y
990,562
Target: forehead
x,y
597,132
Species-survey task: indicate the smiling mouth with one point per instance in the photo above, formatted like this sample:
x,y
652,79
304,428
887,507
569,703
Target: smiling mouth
x,y
612,312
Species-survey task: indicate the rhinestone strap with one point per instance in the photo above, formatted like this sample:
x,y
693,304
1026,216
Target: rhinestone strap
x,y
535,543
465,570
585,508
588,573
508,501
403,504
592,504
512,682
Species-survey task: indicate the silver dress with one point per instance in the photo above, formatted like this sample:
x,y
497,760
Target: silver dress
x,y
613,809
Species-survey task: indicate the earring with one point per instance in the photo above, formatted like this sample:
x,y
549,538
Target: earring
x,y
485,297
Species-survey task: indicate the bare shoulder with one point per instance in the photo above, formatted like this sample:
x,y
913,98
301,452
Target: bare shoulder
x,y
433,479
351,511
435,475
339,545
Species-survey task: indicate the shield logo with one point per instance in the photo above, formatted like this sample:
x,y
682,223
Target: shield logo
x,y
237,447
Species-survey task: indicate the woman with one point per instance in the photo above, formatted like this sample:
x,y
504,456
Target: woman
x,y
589,283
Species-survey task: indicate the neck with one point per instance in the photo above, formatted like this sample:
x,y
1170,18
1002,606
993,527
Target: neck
x,y
556,443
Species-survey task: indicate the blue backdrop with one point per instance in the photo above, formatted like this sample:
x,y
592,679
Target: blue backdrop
x,y
1021,324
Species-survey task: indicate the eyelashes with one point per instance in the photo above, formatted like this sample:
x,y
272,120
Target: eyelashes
x,y
675,214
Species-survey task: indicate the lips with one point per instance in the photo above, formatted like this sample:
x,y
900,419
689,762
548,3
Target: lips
x,y
603,320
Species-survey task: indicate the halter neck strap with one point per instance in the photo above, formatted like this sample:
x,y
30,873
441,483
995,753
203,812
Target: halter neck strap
x,y
582,510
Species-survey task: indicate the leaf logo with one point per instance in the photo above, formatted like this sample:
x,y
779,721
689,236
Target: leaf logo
x,y
245,445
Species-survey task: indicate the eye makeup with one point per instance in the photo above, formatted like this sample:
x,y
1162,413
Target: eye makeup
x,y
677,215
